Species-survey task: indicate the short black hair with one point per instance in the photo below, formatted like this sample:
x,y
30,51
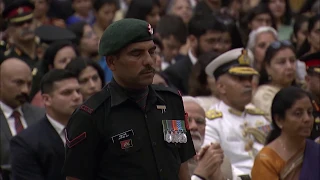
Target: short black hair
x,y
200,24
173,25
99,3
48,80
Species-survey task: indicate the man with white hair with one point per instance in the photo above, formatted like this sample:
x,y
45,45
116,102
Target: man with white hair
x,y
205,168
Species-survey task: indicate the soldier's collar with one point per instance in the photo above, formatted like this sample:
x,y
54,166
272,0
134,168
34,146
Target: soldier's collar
x,y
117,93
119,96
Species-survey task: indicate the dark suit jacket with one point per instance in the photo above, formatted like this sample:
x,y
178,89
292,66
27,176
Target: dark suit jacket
x,y
37,153
31,114
178,74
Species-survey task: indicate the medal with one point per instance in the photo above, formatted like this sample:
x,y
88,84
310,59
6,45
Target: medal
x,y
184,138
168,137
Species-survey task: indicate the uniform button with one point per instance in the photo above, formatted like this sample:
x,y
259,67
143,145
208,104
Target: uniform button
x,y
154,143
146,116
160,170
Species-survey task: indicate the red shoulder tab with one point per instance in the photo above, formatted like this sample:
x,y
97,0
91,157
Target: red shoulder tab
x,y
76,140
86,109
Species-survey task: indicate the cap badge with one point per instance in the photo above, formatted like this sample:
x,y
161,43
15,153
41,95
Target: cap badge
x,y
244,58
150,29
20,10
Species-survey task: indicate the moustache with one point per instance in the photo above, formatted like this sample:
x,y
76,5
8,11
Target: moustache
x,y
247,90
148,70
26,31
196,134
23,98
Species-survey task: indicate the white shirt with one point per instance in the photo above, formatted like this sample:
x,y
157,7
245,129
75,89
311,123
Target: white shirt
x,y
58,127
228,131
7,112
193,59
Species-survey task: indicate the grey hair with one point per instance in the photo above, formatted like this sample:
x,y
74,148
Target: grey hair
x,y
171,3
189,99
254,34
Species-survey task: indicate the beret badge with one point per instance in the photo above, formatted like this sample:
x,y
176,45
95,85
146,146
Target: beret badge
x,y
150,29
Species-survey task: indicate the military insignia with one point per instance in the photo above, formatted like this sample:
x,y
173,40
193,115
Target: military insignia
x,y
125,144
86,109
2,43
75,140
243,59
259,123
174,131
162,108
213,114
17,51
317,120
122,136
150,29
258,135
34,71
20,10
255,111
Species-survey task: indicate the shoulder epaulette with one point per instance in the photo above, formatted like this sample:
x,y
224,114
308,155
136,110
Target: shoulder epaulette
x,y
95,101
213,114
255,111
165,89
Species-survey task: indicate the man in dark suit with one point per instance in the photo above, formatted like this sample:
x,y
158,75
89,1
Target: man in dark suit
x,y
205,35
38,151
15,113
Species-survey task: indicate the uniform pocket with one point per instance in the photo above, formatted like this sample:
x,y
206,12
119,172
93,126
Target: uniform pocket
x,y
125,147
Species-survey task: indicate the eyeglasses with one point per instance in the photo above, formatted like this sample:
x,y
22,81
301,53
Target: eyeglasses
x,y
278,44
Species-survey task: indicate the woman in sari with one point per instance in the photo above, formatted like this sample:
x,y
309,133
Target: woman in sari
x,y
289,155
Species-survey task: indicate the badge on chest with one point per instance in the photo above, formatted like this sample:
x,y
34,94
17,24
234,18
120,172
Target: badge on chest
x,y
124,139
174,131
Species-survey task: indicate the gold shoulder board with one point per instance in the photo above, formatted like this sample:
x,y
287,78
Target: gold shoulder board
x,y
255,111
213,114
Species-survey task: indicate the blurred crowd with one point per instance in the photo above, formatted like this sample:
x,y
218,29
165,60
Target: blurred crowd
x,y
280,37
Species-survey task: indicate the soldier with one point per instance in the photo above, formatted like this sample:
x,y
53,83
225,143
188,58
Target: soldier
x,y
23,42
312,62
240,131
131,129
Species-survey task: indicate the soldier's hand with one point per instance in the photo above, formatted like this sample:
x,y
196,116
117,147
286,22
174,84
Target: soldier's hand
x,y
211,161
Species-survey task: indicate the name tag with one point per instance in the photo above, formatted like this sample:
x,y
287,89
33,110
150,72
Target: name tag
x,y
122,136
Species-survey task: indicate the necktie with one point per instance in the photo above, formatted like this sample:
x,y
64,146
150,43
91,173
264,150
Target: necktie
x,y
17,121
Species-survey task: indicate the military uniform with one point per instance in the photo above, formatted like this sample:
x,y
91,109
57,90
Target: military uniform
x,y
16,13
113,136
312,62
240,134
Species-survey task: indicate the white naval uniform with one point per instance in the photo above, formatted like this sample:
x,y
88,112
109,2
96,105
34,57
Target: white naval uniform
x,y
227,130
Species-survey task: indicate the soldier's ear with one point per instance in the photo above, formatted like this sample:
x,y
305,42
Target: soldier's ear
x,y
111,62
221,88
46,99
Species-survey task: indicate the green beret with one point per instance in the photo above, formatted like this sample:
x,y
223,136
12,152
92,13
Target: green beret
x,y
122,33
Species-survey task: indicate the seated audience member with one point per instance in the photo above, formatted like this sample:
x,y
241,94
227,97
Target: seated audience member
x,y
197,124
312,62
202,86
38,152
288,153
16,113
57,56
278,71
173,33
240,131
83,12
87,43
89,74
